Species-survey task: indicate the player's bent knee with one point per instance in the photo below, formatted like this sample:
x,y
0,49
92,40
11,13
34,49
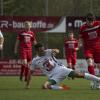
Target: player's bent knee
x,y
46,85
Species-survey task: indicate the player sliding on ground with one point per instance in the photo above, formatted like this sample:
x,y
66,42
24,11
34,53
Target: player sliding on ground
x,y
55,71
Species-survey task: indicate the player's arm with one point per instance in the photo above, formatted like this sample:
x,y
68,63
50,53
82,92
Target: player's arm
x,y
80,41
16,46
80,37
77,45
77,48
35,42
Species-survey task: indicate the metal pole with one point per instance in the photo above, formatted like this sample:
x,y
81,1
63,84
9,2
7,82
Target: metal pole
x,y
1,7
46,14
91,5
46,7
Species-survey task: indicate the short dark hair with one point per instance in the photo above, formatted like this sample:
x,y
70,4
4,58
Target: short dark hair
x,y
71,32
90,17
38,45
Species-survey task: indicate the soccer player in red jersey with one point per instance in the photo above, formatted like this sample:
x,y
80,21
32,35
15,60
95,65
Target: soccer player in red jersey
x,y
25,40
71,47
90,36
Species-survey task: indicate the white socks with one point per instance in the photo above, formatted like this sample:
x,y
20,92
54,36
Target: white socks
x,y
91,77
56,87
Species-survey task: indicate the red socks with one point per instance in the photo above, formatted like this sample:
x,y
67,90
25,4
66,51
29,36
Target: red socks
x,y
91,69
24,72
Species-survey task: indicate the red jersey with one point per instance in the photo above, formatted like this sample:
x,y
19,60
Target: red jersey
x,y
26,39
70,46
91,36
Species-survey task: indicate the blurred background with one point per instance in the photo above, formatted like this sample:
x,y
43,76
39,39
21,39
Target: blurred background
x,y
45,8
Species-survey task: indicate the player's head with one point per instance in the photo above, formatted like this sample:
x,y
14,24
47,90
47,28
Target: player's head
x,y
39,47
90,19
28,24
71,35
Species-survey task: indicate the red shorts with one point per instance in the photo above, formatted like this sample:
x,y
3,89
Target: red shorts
x,y
26,54
92,54
71,59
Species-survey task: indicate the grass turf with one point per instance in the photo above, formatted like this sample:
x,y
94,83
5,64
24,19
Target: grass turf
x,y
12,89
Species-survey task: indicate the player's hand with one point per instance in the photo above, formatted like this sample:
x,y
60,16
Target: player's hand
x,y
76,49
1,46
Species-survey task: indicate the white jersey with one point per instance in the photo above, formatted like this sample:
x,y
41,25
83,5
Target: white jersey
x,y
50,66
46,63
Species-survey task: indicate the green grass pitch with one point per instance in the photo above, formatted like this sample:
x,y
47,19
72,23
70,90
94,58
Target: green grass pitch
x,y
12,89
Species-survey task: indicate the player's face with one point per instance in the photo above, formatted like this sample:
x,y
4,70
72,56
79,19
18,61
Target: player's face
x,y
41,50
28,25
90,23
71,35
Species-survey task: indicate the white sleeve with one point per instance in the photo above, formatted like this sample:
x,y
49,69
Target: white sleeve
x,y
1,34
32,66
49,51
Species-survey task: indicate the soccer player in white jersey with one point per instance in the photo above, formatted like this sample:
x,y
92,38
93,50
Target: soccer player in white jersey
x,y
55,71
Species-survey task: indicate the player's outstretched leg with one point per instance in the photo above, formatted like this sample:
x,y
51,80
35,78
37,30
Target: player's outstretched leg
x,y
51,84
86,76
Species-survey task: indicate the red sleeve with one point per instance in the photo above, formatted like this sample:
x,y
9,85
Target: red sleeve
x,y
34,36
81,31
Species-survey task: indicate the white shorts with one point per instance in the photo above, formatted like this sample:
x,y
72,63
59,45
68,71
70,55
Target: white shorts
x,y
60,73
